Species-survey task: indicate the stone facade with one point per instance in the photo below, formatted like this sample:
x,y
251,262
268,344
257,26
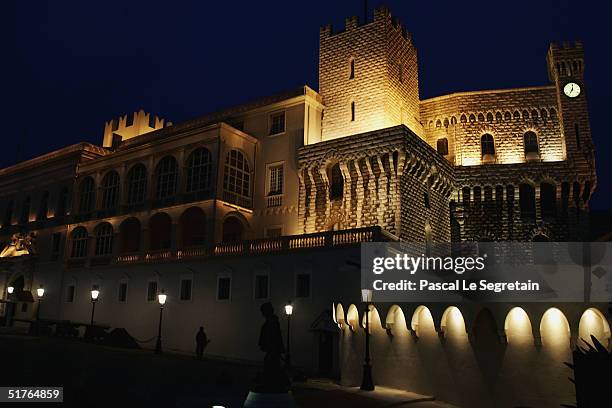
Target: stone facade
x,y
286,187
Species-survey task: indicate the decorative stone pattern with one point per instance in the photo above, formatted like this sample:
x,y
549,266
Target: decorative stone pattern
x,y
386,176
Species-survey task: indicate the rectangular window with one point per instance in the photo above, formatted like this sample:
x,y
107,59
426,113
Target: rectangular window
x,y
261,286
302,285
123,288
277,123
70,291
352,111
152,291
224,285
352,69
275,179
185,289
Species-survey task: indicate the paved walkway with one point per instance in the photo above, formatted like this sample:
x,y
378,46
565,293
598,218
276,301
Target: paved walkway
x,y
316,393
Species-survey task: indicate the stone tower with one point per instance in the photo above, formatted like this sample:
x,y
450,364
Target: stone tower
x,y
368,77
566,67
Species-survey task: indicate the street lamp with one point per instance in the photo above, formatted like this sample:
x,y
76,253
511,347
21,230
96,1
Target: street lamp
x,y
95,292
10,290
40,292
366,382
288,312
161,298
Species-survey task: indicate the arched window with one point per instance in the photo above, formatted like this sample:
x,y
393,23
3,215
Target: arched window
x,y
129,235
166,176
8,214
25,211
236,177
530,140
548,200
62,203
199,169
498,116
472,118
507,115
442,146
489,117
438,123
465,195
104,239
160,231
136,184
481,117
233,230
527,201
110,190
86,195
78,240
453,120
336,182
487,145
43,207
463,119
193,227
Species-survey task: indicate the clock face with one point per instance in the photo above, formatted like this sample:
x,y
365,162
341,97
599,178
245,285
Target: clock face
x,y
571,89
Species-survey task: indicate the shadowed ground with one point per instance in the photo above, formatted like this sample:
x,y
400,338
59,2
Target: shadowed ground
x,y
99,376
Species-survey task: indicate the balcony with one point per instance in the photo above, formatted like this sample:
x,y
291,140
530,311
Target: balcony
x,y
274,200
327,239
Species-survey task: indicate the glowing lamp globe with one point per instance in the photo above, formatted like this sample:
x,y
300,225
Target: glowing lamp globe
x,y
10,290
289,309
161,298
95,293
40,292
366,295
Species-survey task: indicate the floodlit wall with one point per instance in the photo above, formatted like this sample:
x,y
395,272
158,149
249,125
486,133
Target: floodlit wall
x,y
501,355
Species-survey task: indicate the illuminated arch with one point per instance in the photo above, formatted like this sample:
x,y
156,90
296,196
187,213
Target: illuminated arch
x,y
452,321
352,317
517,325
593,322
374,318
554,328
396,320
339,315
420,316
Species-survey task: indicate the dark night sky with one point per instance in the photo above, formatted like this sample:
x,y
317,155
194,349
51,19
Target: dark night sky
x,y
74,65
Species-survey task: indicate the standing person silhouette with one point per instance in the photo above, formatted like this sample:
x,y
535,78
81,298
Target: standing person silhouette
x,y
201,342
271,342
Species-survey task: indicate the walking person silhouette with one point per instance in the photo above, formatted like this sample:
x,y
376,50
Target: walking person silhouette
x,y
201,342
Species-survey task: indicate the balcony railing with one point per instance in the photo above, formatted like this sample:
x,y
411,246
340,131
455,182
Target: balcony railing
x,y
274,200
263,246
327,239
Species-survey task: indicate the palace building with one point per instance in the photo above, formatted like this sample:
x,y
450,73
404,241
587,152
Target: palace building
x,y
269,201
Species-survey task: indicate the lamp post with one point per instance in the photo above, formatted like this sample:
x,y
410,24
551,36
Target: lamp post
x,y
95,292
288,312
9,306
366,382
161,298
41,293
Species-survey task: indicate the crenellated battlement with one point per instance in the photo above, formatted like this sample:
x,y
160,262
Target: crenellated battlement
x,y
129,126
382,15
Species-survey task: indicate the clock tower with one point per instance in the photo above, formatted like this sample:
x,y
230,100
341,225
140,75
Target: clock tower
x,y
566,71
